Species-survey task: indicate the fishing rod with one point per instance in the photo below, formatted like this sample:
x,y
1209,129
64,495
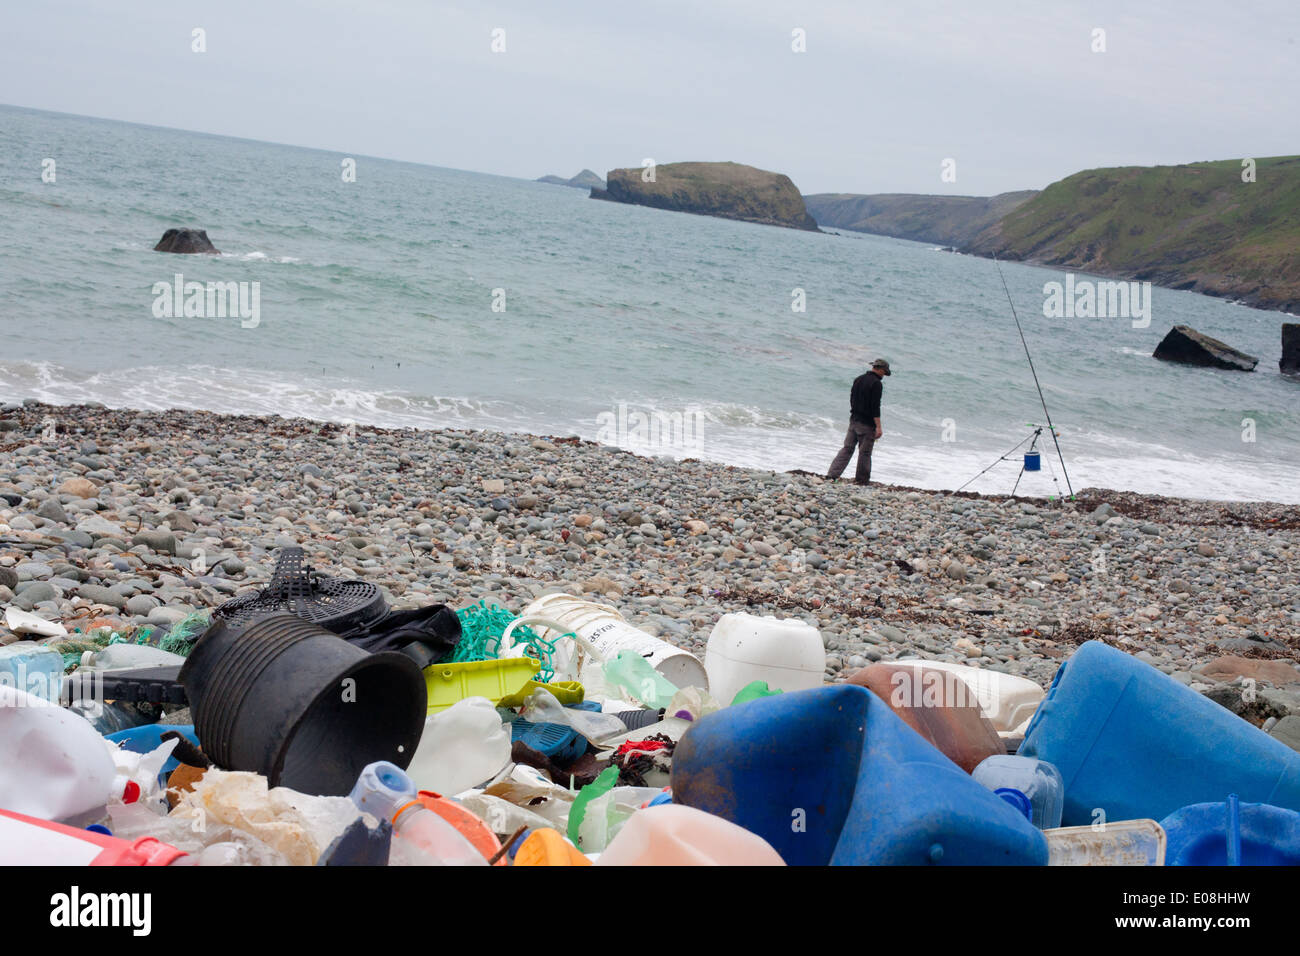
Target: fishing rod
x,y
1034,372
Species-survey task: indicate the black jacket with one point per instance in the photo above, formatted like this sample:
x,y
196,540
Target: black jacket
x,y
864,400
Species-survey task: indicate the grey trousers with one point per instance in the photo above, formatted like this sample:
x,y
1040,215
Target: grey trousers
x,y
862,437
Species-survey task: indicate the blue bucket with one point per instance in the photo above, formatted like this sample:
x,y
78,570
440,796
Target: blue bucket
x,y
1033,461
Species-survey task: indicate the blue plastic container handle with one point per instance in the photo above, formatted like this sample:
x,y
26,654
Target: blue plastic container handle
x,y
1234,830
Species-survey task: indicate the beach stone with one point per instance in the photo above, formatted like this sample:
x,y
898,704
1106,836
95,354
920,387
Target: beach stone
x,y
1287,730
101,527
8,578
50,508
96,594
1269,672
180,521
79,488
162,542
141,605
34,593
33,571
1205,549
168,615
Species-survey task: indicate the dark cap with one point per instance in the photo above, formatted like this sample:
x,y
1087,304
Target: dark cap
x,y
882,364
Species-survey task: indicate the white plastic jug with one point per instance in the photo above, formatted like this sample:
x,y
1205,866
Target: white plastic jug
x,y
602,632
1007,701
743,648
461,747
53,764
673,835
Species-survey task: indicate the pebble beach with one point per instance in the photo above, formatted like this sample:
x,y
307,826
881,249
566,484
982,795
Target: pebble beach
x,y
146,517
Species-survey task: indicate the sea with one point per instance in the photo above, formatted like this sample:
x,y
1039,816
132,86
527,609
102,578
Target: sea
x,y
389,293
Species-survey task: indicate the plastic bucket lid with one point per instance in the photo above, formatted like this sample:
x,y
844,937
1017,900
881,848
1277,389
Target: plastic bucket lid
x,y
286,698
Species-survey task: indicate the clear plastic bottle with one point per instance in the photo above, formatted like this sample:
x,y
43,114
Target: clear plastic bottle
x,y
125,656
433,835
1032,786
33,668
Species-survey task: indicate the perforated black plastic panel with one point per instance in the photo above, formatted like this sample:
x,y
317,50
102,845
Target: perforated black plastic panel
x,y
331,603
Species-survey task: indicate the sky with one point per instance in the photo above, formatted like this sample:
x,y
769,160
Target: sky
x,y
1014,93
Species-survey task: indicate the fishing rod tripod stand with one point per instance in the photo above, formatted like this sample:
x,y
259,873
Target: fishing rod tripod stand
x,y
1032,460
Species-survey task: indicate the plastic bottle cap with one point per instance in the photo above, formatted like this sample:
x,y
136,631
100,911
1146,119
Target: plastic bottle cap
x,y
1017,799
99,828
131,792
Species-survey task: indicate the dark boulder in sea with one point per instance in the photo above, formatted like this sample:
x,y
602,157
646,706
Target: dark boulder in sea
x,y
1290,363
1184,344
186,241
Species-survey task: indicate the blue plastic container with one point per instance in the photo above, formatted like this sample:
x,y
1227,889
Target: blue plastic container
x,y
1134,743
148,737
832,775
1033,461
557,741
1210,834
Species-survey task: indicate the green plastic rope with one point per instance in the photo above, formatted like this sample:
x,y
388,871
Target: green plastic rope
x,y
481,627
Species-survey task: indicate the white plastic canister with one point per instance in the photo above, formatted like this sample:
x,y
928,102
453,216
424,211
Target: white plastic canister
x,y
743,648
1008,701
604,631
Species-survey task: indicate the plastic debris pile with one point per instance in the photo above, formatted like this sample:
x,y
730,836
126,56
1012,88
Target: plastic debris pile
x,y
565,736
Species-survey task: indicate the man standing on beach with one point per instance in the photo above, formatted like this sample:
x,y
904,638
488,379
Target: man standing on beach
x,y
864,423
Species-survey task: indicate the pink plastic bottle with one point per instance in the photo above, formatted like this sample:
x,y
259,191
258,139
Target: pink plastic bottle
x,y
674,835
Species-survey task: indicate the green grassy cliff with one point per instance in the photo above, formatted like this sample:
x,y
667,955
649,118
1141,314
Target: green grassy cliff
x,y
946,220
728,190
1197,227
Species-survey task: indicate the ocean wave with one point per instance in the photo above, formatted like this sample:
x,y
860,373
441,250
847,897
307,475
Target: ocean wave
x,y
730,433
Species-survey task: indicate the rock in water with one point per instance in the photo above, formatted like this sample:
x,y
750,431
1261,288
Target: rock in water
x,y
1290,363
727,190
1184,344
186,241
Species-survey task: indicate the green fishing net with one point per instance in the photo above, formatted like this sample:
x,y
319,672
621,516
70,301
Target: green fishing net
x,y
481,627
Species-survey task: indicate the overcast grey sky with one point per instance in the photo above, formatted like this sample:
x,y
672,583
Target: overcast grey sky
x,y
883,94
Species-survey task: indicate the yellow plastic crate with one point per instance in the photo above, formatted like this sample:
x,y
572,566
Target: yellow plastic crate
x,y
495,680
